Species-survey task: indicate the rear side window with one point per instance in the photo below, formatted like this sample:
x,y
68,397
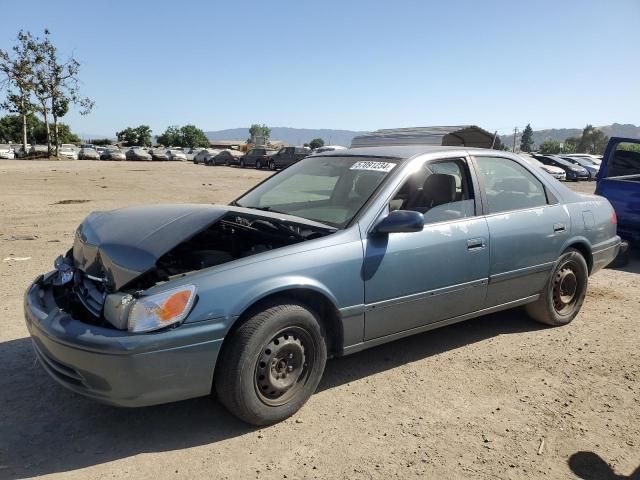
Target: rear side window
x,y
509,185
625,160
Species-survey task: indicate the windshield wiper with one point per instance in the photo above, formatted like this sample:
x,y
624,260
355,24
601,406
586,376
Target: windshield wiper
x,y
265,209
271,210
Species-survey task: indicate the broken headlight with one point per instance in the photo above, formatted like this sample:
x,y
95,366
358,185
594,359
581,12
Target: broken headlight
x,y
162,309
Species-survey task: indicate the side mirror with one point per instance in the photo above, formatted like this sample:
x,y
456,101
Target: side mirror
x,y
400,221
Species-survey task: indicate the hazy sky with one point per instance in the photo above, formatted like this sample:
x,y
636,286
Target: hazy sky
x,y
358,65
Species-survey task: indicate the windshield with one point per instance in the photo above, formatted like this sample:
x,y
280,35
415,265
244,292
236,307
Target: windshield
x,y
329,190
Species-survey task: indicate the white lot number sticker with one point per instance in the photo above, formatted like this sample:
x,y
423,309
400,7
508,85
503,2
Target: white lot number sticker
x,y
375,166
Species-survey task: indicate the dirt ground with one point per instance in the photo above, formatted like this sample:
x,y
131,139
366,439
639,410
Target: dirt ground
x,y
495,397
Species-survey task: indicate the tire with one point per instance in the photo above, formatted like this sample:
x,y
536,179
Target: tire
x,y
265,344
562,297
258,165
272,165
241,163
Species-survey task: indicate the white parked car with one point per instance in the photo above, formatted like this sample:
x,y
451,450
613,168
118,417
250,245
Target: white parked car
x,y
328,148
176,154
68,150
555,172
6,152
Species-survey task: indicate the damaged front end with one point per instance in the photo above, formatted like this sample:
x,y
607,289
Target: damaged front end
x,y
119,255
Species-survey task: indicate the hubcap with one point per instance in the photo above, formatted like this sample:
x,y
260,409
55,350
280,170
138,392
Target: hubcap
x,y
565,289
282,366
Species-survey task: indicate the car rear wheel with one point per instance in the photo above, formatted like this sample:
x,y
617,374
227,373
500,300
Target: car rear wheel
x,y
258,164
564,292
271,364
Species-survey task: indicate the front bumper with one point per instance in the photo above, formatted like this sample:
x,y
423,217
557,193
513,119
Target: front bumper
x,y
117,367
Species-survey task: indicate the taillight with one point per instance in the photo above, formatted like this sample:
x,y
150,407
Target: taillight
x,y
614,218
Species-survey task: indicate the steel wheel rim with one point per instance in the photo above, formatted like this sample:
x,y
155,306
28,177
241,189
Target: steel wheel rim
x,y
283,366
566,288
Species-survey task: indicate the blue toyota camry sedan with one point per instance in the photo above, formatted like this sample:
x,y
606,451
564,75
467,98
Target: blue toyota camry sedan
x,y
341,251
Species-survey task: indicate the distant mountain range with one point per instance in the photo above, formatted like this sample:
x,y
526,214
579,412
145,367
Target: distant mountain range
x,y
300,136
561,134
294,136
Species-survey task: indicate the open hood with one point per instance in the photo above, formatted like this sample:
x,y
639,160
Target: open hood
x,y
119,246
122,244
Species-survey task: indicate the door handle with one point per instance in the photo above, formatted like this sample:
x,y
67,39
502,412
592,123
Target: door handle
x,y
559,227
475,243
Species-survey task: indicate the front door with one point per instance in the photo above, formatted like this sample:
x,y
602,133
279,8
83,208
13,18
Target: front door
x,y
413,279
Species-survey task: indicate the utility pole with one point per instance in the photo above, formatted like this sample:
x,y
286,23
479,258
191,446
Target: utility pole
x,y
515,135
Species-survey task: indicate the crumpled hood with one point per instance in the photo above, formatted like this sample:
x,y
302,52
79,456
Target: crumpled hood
x,y
122,244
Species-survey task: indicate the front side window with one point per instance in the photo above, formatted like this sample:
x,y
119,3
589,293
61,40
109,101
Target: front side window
x,y
329,190
440,190
509,185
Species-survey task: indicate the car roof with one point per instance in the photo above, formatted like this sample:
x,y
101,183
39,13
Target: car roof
x,y
402,151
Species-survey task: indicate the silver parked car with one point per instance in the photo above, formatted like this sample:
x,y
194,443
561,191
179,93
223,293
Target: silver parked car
x,y
138,154
337,253
202,155
88,154
112,152
176,154
159,154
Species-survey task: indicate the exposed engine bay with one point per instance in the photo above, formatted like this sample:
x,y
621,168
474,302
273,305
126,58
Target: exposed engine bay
x,y
232,237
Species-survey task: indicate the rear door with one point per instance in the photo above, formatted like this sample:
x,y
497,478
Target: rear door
x,y
527,226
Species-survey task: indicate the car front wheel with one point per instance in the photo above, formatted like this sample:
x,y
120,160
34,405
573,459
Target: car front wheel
x,y
564,292
272,165
241,163
271,364
258,164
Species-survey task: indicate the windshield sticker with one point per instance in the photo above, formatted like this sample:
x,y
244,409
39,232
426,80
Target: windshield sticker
x,y
374,166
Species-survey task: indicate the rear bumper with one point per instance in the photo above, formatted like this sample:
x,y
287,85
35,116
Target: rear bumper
x,y
117,367
605,254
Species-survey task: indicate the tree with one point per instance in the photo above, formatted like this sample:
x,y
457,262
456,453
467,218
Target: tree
x,y
171,137
11,129
259,132
592,141
550,147
316,143
56,83
526,142
102,141
17,68
141,135
192,136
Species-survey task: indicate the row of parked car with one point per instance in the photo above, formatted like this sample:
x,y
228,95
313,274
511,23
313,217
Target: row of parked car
x,y
259,157
567,167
